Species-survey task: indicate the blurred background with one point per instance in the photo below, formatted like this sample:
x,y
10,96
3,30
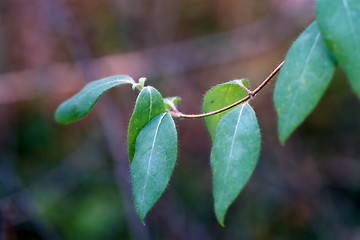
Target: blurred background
x,y
72,182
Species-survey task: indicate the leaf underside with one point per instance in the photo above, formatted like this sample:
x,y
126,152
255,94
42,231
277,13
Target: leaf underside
x,y
80,104
302,80
339,25
221,96
149,104
153,163
234,155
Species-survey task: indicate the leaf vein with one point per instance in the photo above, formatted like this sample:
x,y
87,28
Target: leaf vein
x,y
301,78
346,6
150,159
150,106
108,83
232,144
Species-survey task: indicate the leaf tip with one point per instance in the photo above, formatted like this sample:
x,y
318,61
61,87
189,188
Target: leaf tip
x,y
58,117
221,223
221,219
283,135
282,140
62,116
220,213
284,130
141,213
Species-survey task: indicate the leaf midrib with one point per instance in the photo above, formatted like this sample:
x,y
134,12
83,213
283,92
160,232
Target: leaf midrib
x,y
231,150
150,106
346,6
301,79
105,83
150,160
232,143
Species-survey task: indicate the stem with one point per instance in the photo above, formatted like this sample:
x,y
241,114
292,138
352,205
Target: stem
x,y
251,94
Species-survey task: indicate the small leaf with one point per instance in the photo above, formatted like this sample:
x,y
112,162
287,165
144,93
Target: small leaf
x,y
170,102
302,81
339,25
221,96
148,105
80,104
153,163
234,155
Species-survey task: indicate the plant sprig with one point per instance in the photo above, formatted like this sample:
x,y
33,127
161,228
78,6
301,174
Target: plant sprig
x,y
303,78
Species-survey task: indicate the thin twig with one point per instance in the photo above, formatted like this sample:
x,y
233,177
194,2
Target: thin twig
x,y
252,94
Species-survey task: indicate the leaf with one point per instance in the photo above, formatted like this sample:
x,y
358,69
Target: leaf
x,y
148,105
80,104
218,97
234,155
339,25
153,163
302,81
171,102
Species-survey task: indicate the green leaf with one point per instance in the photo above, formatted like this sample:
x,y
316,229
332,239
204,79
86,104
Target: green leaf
x,y
234,155
80,104
171,102
302,81
153,163
148,105
339,25
221,96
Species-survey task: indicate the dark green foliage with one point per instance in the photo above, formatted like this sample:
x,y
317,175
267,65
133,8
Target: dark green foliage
x,y
153,163
339,25
148,105
79,105
234,155
302,81
218,97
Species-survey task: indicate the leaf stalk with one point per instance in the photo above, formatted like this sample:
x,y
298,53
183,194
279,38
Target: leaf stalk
x,y
252,94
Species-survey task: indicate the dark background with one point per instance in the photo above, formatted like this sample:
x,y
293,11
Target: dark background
x,y
71,182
